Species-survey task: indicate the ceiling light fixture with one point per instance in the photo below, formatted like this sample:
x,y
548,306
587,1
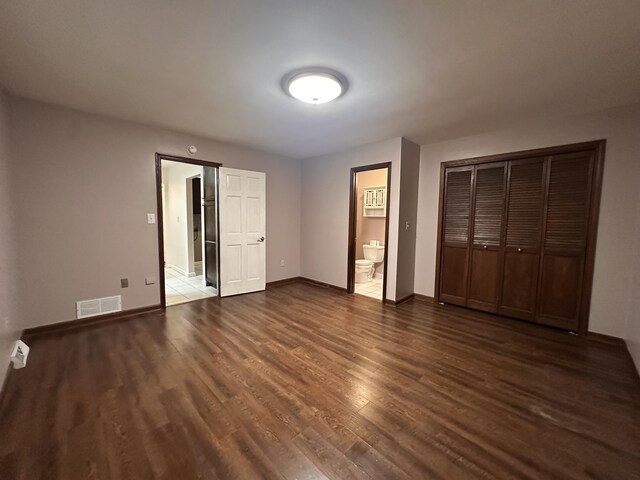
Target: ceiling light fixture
x,y
315,86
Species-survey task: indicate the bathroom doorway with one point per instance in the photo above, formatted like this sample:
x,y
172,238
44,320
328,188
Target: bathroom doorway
x,y
369,230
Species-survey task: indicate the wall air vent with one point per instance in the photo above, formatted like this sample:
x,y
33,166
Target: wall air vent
x,y
98,306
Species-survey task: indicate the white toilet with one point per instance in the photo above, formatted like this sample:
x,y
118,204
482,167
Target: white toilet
x,y
366,268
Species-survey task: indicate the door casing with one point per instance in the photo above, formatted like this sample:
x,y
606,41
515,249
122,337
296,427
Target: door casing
x,y
159,215
353,217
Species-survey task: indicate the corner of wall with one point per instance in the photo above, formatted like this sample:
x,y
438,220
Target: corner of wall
x,y
408,215
614,308
9,328
325,216
632,329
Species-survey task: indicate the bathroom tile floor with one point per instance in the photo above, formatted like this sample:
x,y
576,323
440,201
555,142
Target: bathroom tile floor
x,y
371,289
180,289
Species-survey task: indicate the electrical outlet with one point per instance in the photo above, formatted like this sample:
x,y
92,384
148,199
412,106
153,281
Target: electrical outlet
x,y
19,354
282,263
124,282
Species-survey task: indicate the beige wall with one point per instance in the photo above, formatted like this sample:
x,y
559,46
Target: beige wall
x,y
632,335
325,211
612,312
10,326
178,239
409,177
86,185
369,228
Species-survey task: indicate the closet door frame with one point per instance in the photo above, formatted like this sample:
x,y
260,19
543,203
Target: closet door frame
x,y
598,147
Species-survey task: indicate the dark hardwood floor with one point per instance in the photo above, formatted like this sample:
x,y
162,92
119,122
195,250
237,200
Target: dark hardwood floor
x,y
302,382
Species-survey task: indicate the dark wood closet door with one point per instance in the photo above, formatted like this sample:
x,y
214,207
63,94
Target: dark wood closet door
x,y
455,235
523,229
566,225
517,233
486,248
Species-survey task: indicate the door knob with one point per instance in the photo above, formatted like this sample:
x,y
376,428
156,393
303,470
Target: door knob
x,y
519,249
485,247
261,239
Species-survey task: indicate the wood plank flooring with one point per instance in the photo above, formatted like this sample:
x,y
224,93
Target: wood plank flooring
x,y
302,382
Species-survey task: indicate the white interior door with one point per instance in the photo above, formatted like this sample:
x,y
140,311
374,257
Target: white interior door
x,y
242,231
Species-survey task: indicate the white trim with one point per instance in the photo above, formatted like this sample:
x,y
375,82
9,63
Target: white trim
x,y
179,270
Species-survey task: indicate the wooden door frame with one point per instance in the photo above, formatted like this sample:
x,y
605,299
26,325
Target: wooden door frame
x,y
598,147
160,213
353,205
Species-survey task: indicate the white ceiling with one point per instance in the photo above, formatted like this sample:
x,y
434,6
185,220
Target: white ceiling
x,y
427,70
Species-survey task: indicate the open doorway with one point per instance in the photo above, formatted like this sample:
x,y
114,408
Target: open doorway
x,y
369,230
187,229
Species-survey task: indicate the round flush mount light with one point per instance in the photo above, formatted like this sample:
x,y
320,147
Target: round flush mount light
x,y
315,86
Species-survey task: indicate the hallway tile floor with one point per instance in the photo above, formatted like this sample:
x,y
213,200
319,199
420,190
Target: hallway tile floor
x,y
181,289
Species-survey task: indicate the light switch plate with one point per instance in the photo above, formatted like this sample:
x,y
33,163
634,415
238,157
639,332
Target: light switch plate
x,y
149,280
151,218
124,282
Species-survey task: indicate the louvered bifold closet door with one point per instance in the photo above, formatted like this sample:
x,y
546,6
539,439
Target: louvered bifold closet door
x,y
523,231
565,230
486,249
455,235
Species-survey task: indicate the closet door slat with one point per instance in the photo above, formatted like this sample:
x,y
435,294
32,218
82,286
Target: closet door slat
x,y
568,203
457,206
489,206
524,211
455,236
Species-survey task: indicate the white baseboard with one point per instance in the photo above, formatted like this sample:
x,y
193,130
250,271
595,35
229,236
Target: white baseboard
x,y
179,270
196,266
